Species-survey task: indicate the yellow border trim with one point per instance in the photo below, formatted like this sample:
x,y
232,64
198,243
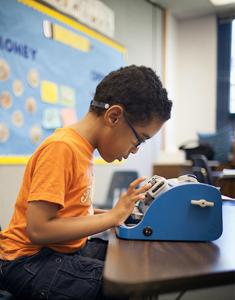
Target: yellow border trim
x,y
14,160
22,160
74,24
100,161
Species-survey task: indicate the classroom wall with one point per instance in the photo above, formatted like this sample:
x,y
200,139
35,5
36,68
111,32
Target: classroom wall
x,y
138,28
10,179
171,76
191,80
197,50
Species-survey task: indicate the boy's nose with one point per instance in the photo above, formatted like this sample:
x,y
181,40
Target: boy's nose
x,y
134,150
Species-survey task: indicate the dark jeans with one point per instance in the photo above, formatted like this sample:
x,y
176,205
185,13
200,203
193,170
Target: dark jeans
x,y
53,275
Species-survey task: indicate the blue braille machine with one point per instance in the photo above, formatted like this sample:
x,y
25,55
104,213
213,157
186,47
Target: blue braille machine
x,y
180,209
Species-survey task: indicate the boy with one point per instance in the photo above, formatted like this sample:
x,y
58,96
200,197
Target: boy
x,y
44,252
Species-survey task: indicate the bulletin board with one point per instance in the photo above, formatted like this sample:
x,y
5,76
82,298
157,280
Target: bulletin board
x,y
50,66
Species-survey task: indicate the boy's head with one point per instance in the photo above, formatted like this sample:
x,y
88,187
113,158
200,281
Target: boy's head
x,y
138,90
133,105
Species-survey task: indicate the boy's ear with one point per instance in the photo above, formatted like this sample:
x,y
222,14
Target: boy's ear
x,y
113,115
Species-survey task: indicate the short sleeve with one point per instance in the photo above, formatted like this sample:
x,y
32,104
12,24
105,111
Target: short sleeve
x,y
51,173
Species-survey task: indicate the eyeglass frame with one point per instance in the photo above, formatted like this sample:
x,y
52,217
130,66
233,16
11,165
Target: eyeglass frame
x,y
106,106
137,136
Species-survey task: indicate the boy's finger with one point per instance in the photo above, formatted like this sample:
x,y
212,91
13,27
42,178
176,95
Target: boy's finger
x,y
138,197
143,188
136,182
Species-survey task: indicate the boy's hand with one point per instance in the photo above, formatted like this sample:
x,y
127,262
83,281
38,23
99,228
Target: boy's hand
x,y
126,203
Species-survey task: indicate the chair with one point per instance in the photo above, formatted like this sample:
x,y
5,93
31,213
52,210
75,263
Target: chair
x,y
220,142
202,170
119,183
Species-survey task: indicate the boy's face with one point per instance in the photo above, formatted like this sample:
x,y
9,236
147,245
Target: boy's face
x,y
121,137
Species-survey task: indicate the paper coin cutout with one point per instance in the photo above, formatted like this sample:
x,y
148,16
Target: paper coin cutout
x,y
5,100
35,134
4,133
33,78
30,105
18,87
17,118
4,70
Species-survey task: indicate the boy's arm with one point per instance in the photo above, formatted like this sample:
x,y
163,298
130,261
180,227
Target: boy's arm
x,y
45,227
100,211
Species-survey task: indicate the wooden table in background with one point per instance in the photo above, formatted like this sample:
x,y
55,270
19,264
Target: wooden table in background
x,y
135,269
227,184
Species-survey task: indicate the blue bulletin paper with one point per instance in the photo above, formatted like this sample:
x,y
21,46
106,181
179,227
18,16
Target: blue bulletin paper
x,y
41,74
51,118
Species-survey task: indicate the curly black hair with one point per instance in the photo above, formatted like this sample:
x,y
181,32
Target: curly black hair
x,y
139,90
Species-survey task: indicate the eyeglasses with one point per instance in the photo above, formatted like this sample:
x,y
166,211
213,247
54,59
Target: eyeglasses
x,y
106,106
139,139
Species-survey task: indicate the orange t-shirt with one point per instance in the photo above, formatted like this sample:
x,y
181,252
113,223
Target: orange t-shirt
x,y
60,171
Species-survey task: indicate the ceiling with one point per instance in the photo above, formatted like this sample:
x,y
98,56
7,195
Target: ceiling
x,y
185,9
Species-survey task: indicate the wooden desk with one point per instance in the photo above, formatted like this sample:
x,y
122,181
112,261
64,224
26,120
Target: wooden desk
x,y
227,186
172,170
143,268
175,170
